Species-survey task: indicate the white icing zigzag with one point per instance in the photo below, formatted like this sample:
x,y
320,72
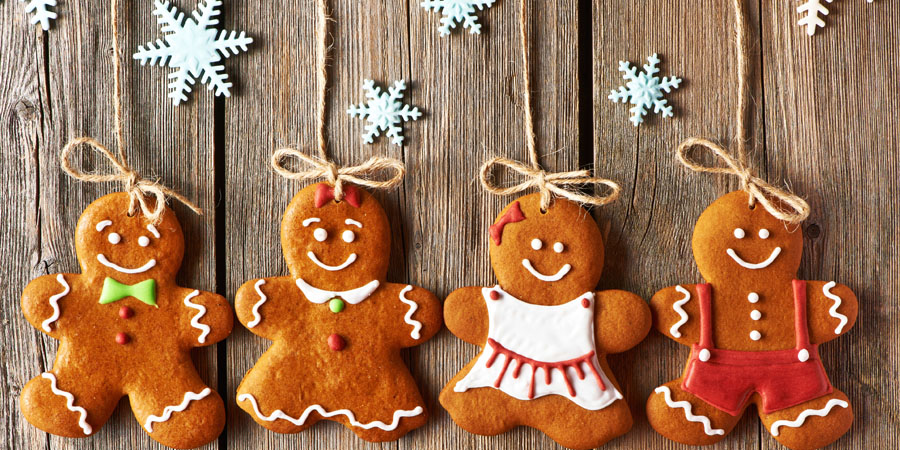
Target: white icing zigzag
x,y
70,402
677,306
54,302
195,322
837,303
262,299
279,414
408,317
707,426
167,412
798,422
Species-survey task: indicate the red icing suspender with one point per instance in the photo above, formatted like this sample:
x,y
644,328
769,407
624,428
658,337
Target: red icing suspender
x,y
548,367
801,330
703,294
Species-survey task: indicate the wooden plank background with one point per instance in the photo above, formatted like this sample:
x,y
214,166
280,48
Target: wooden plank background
x,y
824,119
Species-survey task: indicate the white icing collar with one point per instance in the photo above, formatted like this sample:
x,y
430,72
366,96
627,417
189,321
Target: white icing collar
x,y
353,296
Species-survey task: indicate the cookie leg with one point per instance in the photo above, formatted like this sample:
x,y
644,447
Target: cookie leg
x,y
592,428
684,418
271,398
813,424
67,402
178,410
394,408
484,411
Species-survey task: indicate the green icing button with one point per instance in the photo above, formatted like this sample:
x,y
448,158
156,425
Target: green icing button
x,y
336,305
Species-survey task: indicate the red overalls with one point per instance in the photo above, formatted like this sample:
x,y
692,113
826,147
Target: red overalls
x,y
783,378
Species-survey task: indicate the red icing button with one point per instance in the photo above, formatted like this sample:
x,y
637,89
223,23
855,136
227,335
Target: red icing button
x,y
495,295
122,338
126,312
586,303
336,342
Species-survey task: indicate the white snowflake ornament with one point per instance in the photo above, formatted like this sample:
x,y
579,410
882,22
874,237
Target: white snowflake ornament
x,y
193,47
457,12
812,13
384,112
41,10
644,90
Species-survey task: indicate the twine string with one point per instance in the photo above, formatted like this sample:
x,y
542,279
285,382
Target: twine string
x,y
550,184
137,188
368,173
781,203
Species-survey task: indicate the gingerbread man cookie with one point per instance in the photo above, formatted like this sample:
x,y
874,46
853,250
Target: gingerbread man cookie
x,y
545,332
337,325
755,330
125,328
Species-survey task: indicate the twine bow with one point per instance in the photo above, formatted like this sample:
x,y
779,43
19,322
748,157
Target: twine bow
x,y
137,188
319,168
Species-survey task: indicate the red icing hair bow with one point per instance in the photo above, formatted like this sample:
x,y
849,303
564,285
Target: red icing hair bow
x,y
512,216
325,193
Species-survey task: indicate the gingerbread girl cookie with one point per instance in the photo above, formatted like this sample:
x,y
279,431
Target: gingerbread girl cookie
x,y
754,330
125,328
337,325
544,331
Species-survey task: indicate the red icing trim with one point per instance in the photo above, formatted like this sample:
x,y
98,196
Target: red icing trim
x,y
548,367
325,193
512,216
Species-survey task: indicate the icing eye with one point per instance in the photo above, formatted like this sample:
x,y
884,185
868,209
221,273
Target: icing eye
x,y
764,234
320,234
558,247
739,233
536,244
114,238
348,236
143,241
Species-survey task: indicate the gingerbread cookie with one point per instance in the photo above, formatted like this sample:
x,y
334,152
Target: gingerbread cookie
x,y
545,333
337,325
125,328
754,330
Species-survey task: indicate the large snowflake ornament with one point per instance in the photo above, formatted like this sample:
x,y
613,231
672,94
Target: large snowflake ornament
x,y
384,112
812,13
457,12
41,10
644,90
192,47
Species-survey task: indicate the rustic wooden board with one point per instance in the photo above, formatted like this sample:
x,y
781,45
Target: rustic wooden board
x,y
823,120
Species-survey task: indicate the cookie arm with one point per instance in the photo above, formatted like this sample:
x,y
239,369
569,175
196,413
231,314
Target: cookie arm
x,y
41,301
257,303
676,313
466,315
622,321
418,313
207,318
831,310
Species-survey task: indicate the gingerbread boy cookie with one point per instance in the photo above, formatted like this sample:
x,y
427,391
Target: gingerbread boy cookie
x,y
545,332
755,330
337,325
125,328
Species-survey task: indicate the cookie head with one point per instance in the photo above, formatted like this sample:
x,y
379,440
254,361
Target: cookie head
x,y
128,248
546,258
336,245
732,240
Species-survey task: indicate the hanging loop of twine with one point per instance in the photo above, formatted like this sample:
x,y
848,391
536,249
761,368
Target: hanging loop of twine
x,y
781,203
137,188
364,174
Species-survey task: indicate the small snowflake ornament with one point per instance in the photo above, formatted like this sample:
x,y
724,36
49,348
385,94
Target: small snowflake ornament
x,y
644,90
457,12
384,112
812,13
41,10
192,46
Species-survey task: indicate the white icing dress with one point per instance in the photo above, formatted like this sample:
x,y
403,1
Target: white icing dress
x,y
537,350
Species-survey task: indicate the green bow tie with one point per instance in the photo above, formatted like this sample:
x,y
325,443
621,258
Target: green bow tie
x,y
114,291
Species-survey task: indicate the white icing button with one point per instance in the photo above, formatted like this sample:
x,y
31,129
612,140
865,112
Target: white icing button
x,y
348,236
739,233
704,355
114,238
753,297
803,355
143,241
764,234
755,314
558,247
320,234
536,244
755,335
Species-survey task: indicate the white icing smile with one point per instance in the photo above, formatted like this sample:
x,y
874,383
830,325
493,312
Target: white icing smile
x,y
350,260
149,265
753,266
555,277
